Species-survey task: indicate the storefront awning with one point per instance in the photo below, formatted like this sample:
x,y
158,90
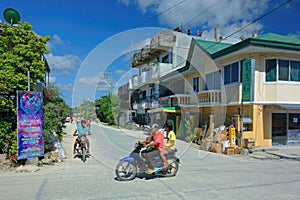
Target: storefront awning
x,y
171,110
166,110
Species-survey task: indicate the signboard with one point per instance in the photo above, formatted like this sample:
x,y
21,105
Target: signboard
x,y
30,125
246,80
294,136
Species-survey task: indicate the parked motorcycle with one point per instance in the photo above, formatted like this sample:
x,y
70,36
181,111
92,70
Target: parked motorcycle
x,y
129,167
81,149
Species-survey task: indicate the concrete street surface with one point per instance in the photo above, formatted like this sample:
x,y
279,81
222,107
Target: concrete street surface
x,y
202,175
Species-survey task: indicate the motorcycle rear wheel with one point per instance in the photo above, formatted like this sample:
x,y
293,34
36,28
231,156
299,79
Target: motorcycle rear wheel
x,y
126,171
83,158
172,168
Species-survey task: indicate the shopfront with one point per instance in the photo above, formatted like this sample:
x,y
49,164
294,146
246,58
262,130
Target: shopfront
x,y
286,128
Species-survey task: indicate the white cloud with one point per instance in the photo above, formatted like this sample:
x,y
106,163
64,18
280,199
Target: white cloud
x,y
88,81
52,79
100,81
230,15
65,87
57,40
140,44
54,41
66,62
120,72
128,53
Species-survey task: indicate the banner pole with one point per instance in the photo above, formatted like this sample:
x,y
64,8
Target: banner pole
x,y
28,77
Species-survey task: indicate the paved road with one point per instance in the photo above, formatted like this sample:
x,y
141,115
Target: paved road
x,y
201,176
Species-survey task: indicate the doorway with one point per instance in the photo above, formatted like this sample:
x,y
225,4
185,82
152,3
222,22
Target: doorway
x,y
279,128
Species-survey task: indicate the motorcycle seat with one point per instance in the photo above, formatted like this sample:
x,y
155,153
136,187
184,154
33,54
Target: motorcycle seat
x,y
172,151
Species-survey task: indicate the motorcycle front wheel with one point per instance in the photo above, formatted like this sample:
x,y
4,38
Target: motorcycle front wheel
x,y
126,171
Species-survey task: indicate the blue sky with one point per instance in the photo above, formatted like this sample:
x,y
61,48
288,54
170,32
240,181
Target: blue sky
x,y
77,28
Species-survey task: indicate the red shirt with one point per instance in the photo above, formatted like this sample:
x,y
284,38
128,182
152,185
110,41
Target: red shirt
x,y
159,138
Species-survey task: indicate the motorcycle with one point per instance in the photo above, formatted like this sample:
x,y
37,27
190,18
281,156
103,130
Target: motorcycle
x,y
129,167
81,149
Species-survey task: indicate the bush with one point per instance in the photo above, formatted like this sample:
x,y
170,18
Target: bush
x,y
189,136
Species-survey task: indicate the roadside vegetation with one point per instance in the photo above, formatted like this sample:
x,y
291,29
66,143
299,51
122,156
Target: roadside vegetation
x,y
107,109
21,50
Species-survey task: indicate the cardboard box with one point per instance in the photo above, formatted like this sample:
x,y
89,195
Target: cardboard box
x,y
217,147
237,151
249,143
229,151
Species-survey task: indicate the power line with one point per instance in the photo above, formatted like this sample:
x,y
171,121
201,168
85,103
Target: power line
x,y
254,21
203,12
161,13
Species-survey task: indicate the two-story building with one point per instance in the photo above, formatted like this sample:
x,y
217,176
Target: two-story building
x,y
258,78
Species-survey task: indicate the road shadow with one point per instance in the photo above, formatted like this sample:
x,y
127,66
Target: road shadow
x,y
141,176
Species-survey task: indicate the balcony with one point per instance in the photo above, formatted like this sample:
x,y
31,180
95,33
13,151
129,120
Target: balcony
x,y
175,100
162,42
155,104
134,82
152,75
159,44
143,78
210,96
145,105
135,106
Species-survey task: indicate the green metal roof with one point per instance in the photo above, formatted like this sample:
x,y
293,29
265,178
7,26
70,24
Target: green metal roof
x,y
212,47
278,38
269,40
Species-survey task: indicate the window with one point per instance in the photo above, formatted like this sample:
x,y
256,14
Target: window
x,y
288,70
213,81
231,73
226,74
235,72
166,58
283,66
196,84
271,70
295,71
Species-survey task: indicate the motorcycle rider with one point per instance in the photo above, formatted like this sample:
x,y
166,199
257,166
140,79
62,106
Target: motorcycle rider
x,y
157,145
82,130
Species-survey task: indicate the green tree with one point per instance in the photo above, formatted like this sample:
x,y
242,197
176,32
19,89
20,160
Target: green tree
x,y
55,111
20,51
107,109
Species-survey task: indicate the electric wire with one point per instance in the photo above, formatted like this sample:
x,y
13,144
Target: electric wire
x,y
252,22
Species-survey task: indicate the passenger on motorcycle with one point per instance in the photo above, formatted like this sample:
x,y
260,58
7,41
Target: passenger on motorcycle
x,y
171,139
82,130
157,145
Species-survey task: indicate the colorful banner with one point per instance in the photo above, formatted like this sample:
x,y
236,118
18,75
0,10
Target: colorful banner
x,y
30,125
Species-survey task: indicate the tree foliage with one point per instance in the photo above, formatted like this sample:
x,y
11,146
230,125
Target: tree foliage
x,y
107,109
20,51
55,111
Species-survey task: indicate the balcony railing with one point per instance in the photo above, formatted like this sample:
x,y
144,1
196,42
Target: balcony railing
x,y
210,96
175,100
